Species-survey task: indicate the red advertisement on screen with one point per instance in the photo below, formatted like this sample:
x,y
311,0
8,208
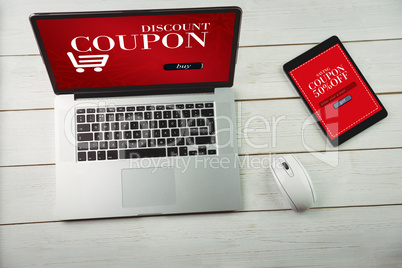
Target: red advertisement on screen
x,y
138,50
335,91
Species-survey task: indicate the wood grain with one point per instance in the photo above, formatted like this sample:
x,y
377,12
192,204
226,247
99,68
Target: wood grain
x,y
360,178
356,221
264,22
358,237
259,75
29,135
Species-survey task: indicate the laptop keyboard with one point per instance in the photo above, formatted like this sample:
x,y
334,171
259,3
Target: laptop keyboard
x,y
140,131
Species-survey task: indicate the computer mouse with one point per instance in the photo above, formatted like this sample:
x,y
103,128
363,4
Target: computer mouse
x,y
294,182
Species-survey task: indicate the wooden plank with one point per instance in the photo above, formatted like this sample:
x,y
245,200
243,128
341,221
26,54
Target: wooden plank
x,y
286,126
263,127
264,22
349,237
259,75
359,179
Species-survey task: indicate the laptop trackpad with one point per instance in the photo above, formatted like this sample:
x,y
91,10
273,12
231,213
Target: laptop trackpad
x,y
148,187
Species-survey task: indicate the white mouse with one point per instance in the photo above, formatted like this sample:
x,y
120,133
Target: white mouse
x,y
294,182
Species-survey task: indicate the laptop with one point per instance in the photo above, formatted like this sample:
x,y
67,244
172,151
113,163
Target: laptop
x,y
144,114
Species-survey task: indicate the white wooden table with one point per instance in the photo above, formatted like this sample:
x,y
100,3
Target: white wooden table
x,y
357,221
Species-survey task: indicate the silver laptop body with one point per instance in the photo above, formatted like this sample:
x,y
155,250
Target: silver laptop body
x,y
104,170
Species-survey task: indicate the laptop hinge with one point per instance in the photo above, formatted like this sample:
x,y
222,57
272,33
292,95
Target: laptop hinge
x,y
105,94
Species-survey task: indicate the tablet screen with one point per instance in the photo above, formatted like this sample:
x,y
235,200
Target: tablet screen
x,y
335,91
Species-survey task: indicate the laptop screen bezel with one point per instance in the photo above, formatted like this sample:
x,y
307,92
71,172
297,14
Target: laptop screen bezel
x,y
192,87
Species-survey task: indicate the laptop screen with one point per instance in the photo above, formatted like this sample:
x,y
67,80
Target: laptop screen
x,y
138,49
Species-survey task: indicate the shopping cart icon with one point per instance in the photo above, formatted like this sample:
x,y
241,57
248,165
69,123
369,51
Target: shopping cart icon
x,y
87,61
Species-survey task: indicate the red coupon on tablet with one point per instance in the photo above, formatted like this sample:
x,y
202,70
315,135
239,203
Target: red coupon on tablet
x,y
335,90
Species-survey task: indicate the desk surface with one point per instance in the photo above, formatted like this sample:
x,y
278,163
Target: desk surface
x,y
357,221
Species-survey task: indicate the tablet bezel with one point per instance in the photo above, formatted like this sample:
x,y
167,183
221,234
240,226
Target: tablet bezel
x,y
318,49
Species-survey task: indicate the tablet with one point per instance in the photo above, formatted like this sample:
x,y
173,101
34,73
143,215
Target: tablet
x,y
335,91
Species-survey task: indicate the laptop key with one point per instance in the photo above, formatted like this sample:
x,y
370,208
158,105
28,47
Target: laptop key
x,y
181,122
180,141
184,132
151,142
120,117
138,115
122,144
90,118
91,156
81,118
83,127
142,153
85,137
134,125
142,143
112,154
132,144
100,117
127,135
202,150
137,134
162,124
186,113
124,126
105,126
191,122
193,131
82,146
167,114
190,141
129,116
101,155
98,136
148,115
165,132
175,132
112,144
103,145
109,117
82,156
207,112
211,151
161,142
157,115
209,105
108,135
117,135
195,113
176,114
172,123
80,111
172,151
205,140
171,142
183,151
192,152
203,131
95,127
